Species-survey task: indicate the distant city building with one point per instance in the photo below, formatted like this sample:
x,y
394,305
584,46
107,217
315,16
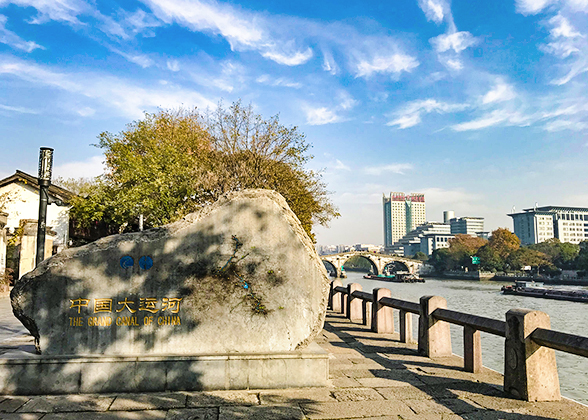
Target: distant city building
x,y
410,243
568,224
432,241
331,249
448,215
367,248
402,214
473,226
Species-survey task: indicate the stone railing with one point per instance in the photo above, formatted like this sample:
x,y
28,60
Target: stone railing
x,y
530,371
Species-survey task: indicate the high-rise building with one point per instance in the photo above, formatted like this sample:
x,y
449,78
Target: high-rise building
x,y
473,226
402,214
568,224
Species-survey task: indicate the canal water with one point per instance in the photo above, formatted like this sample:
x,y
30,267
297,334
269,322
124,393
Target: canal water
x,y
485,299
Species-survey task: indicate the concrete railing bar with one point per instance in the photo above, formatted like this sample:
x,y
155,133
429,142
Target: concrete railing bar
x,y
480,323
362,295
341,289
403,305
556,340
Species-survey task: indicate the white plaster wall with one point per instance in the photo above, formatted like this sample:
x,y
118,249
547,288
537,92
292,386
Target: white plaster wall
x,y
25,205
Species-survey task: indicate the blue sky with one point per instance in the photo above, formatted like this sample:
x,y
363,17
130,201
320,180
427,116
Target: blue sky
x,y
481,105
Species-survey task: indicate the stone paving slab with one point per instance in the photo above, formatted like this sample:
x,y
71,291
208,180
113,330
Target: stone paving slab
x,y
218,398
261,413
109,415
349,410
66,403
149,401
21,416
193,414
296,396
357,394
11,404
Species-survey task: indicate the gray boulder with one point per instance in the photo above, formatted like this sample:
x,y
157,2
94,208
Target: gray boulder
x,y
239,276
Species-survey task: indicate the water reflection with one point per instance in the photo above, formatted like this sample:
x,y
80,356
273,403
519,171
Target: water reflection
x,y
485,299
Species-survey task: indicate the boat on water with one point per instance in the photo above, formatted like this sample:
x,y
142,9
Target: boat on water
x,y
537,289
397,277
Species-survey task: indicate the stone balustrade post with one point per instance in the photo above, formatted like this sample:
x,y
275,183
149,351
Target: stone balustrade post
x,y
344,308
434,337
382,316
530,371
354,305
472,350
366,310
336,296
405,326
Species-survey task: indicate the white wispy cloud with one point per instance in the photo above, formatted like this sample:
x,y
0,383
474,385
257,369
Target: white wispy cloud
x,y
266,79
532,7
17,109
560,125
410,115
243,30
58,10
498,117
173,65
292,59
340,166
129,98
13,40
457,41
435,10
458,199
388,64
394,168
320,116
88,168
499,93
346,101
329,63
139,59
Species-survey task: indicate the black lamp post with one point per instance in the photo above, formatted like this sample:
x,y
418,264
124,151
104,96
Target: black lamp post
x,y
45,167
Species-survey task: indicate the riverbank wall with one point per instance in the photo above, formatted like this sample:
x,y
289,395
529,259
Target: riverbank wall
x,y
487,276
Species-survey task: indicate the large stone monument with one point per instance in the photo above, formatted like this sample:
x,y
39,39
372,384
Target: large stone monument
x,y
234,294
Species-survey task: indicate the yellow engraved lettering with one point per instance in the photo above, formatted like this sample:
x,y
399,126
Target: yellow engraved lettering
x,y
77,321
102,305
127,321
99,321
148,320
148,304
125,304
173,304
78,303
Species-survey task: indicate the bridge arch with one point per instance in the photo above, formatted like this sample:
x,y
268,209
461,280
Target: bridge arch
x,y
378,261
397,266
330,266
374,267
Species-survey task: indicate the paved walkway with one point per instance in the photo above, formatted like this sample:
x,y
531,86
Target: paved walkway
x,y
373,376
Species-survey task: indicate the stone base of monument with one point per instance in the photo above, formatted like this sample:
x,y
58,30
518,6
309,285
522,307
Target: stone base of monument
x,y
30,374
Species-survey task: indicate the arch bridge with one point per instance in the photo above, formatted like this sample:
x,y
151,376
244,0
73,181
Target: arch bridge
x,y
377,261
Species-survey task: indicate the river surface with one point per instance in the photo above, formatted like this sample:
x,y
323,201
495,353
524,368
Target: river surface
x,y
485,299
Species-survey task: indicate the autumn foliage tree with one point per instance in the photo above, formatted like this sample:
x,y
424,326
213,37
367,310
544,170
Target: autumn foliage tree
x,y
172,163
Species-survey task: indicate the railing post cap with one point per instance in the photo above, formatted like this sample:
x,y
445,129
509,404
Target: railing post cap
x,y
431,297
521,312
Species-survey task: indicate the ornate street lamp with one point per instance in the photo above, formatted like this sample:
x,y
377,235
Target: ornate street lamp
x,y
45,167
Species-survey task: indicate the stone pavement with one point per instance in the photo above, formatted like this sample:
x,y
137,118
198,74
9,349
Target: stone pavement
x,y
373,376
